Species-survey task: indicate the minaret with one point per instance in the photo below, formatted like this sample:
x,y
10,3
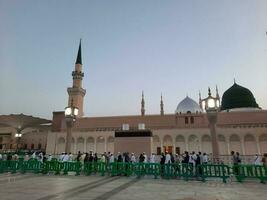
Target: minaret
x,y
76,92
161,106
218,96
199,99
142,105
217,93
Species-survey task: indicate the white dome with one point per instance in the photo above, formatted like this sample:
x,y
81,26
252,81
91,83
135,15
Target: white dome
x,y
188,105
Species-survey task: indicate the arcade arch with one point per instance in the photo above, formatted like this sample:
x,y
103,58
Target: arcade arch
x,y
110,144
263,143
235,144
80,144
250,145
180,144
100,144
193,143
167,143
206,144
90,144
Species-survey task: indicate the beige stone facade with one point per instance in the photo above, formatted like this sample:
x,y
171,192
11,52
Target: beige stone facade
x,y
245,132
31,139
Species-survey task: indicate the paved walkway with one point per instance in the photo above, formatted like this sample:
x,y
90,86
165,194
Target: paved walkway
x,y
43,187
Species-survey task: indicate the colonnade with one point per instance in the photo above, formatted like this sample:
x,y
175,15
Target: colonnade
x,y
244,144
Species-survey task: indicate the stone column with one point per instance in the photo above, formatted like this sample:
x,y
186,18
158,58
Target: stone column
x,y
243,146
84,145
105,142
69,123
174,146
228,146
212,117
186,144
200,144
258,145
95,145
161,144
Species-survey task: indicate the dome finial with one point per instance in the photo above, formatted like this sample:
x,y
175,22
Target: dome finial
x,y
234,81
209,92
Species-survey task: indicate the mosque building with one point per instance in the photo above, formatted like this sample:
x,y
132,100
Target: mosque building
x,y
241,126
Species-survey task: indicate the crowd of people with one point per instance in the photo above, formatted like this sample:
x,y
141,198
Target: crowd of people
x,y
192,158
165,158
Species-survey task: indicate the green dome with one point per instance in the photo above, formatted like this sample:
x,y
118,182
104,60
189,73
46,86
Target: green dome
x,y
238,97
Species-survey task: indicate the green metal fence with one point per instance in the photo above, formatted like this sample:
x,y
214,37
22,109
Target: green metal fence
x,y
166,171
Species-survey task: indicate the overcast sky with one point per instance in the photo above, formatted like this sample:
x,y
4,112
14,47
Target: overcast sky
x,y
174,47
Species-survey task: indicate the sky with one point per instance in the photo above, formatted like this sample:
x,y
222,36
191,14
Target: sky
x,y
172,47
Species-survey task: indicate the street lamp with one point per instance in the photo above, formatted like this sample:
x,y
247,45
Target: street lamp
x,y
211,105
71,113
18,137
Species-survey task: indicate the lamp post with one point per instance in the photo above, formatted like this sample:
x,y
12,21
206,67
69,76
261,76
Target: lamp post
x,y
211,105
18,137
71,113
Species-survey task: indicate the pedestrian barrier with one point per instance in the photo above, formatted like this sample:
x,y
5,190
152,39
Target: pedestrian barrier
x,y
71,167
120,168
213,171
4,166
250,172
142,169
88,168
167,171
31,165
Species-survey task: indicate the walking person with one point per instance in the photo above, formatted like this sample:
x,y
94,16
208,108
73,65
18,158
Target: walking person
x,y
133,159
257,160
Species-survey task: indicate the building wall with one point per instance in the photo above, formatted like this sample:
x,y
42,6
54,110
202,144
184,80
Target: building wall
x,y
96,141
31,139
246,141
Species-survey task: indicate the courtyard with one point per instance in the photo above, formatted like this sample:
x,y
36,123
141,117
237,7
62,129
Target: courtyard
x,y
49,187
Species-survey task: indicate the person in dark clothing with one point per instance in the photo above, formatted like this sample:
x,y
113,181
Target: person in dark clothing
x,y
86,158
162,162
186,158
119,159
95,158
198,162
79,156
91,157
127,161
141,158
172,158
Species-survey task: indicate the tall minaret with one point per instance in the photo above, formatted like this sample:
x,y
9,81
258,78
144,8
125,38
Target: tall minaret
x,y
161,106
76,92
199,99
218,96
142,105
217,93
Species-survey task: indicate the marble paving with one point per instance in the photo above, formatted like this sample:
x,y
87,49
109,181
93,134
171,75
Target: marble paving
x,y
45,187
